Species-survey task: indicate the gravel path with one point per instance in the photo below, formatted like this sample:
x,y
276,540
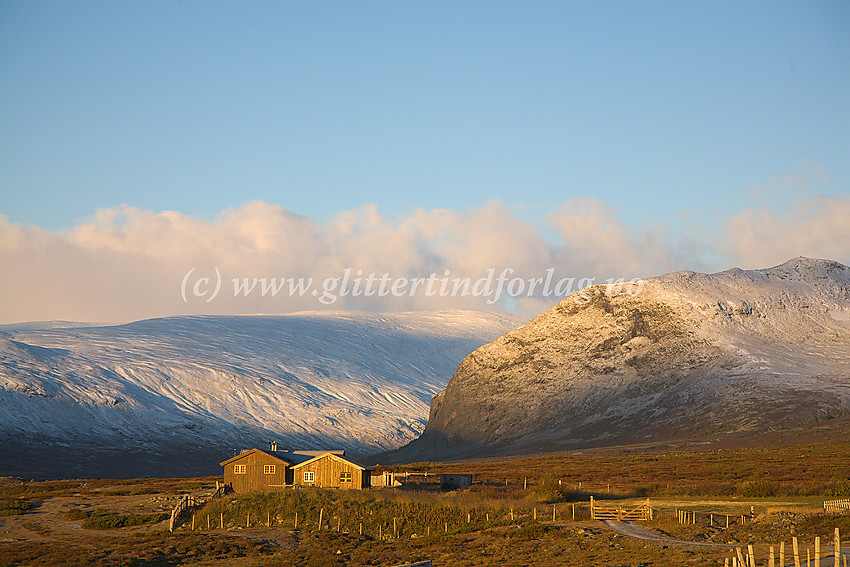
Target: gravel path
x,y
639,532
631,530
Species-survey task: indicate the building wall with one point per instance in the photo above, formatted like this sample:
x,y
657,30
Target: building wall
x,y
455,481
327,472
254,478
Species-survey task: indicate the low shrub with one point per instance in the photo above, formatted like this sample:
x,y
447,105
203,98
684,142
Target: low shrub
x,y
756,489
106,520
14,507
76,514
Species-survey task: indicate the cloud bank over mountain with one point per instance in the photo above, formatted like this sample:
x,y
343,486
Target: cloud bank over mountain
x,y
126,263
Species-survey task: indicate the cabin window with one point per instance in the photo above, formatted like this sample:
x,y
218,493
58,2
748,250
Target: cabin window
x,y
309,476
345,477
238,469
268,469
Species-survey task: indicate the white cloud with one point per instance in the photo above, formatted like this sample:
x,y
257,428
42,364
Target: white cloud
x,y
126,263
817,227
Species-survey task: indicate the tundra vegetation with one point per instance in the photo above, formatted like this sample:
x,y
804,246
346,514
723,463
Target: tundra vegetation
x,y
505,518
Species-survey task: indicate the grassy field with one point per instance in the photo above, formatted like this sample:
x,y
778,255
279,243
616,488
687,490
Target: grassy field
x,y
768,495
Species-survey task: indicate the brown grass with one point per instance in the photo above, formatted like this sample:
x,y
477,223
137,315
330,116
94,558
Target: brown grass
x,y
783,484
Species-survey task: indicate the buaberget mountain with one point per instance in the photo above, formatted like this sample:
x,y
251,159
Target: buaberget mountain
x,y
686,356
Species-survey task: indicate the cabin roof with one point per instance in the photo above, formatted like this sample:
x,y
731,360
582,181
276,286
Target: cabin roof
x,y
288,457
297,457
333,455
273,454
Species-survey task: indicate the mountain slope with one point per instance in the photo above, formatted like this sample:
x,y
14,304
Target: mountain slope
x,y
173,396
689,356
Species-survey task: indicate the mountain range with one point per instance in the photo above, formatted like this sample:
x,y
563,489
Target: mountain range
x,y
174,396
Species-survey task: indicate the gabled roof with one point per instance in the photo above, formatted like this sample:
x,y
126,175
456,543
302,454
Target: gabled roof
x,y
332,456
279,457
298,456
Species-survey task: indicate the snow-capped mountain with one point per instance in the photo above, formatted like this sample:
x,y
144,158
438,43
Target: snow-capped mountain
x,y
174,395
687,356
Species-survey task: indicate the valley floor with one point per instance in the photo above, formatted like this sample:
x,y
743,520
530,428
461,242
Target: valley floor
x,y
125,522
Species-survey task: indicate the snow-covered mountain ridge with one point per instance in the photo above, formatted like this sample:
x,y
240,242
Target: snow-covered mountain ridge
x,y
690,356
152,388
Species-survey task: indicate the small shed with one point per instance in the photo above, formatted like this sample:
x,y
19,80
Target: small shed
x,y
455,481
331,470
255,469
387,479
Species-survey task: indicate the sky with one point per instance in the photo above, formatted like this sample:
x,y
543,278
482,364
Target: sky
x,y
268,139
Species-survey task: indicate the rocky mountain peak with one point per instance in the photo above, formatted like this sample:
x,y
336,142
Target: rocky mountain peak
x,y
687,355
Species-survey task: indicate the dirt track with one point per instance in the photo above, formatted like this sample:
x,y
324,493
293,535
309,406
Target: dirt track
x,y
639,532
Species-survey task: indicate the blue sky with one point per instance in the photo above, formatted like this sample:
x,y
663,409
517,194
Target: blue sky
x,y
658,109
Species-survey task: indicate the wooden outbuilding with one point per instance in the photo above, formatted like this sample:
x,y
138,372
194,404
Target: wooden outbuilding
x,y
331,470
455,481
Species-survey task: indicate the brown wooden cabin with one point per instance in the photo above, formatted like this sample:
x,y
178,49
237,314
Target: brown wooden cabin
x,y
331,470
257,469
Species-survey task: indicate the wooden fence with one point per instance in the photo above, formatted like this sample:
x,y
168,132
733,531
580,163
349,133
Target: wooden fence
x,y
185,503
188,501
715,519
602,512
837,506
747,558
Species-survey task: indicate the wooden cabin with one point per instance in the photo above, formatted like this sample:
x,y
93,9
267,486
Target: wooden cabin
x,y
331,470
256,469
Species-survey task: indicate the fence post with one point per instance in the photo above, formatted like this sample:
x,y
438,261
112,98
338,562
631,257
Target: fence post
x,y
837,548
321,513
782,554
221,519
796,551
751,555
817,551
771,558
553,512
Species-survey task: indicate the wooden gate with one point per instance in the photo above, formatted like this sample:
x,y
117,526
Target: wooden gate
x,y
602,512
